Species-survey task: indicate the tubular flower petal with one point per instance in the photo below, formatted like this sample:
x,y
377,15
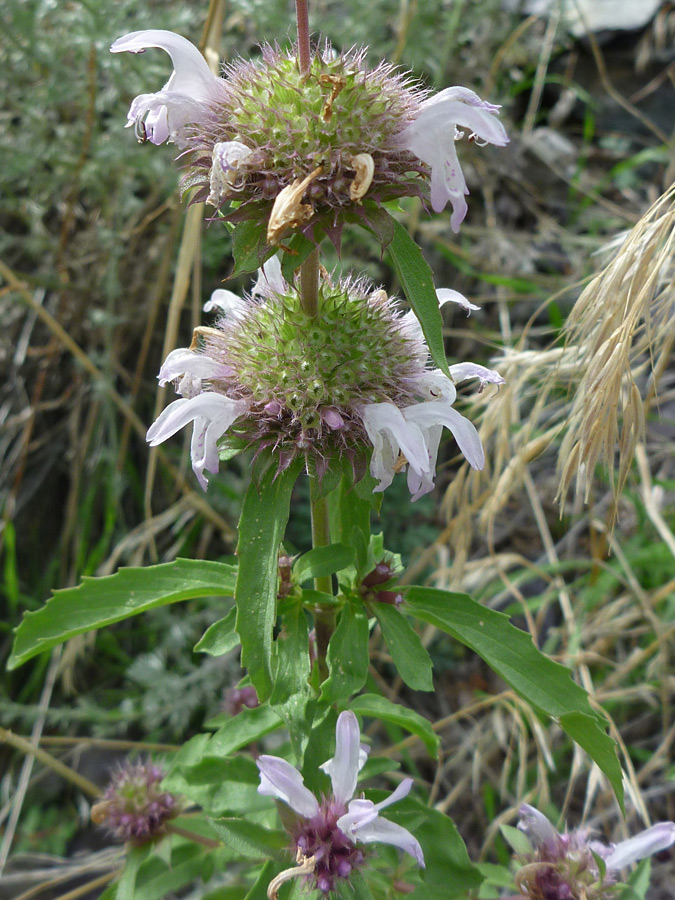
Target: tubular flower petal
x,y
652,840
432,138
328,830
212,415
184,98
280,779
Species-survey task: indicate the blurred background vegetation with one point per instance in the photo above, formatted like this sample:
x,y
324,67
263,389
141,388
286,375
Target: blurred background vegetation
x,y
91,233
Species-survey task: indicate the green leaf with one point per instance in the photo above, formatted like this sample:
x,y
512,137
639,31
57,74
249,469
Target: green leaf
x,y
101,601
417,281
291,688
588,733
250,839
262,524
322,561
247,726
449,872
638,882
220,637
516,839
220,786
249,240
350,507
267,873
347,656
126,887
380,708
290,262
510,652
410,657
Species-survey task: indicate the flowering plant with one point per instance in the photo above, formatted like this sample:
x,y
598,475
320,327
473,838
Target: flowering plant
x,y
331,380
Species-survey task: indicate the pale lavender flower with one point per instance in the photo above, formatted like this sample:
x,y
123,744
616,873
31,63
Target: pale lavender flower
x,y
564,866
186,96
329,829
432,137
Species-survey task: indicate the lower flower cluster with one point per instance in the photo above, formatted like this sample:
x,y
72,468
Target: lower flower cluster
x,y
325,833
349,382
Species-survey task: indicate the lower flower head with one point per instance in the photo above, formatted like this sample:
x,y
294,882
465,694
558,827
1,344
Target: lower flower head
x,y
134,807
351,379
568,866
329,830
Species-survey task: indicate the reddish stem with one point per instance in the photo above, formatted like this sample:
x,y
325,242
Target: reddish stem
x,y
303,35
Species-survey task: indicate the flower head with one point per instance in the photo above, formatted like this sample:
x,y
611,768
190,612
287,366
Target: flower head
x,y
134,808
350,380
297,150
328,830
565,866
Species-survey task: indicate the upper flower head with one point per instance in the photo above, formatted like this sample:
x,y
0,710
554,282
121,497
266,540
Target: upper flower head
x,y
350,379
564,866
327,830
296,149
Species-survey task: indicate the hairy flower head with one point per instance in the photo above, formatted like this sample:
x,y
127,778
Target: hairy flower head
x,y
568,866
298,149
349,381
134,808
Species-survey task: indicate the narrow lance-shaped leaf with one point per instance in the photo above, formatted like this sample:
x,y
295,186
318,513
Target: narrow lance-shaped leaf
x,y
407,652
102,601
291,688
347,656
380,708
510,652
417,282
262,524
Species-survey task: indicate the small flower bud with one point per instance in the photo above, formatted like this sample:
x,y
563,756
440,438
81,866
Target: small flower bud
x,y
134,808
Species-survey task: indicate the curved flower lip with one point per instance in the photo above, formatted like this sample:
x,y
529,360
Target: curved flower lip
x,y
186,362
191,84
431,137
652,840
361,822
212,415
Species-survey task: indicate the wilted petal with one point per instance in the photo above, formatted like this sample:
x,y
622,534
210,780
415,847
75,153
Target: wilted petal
x,y
537,827
187,362
181,99
462,371
280,779
432,135
653,840
226,302
349,758
227,159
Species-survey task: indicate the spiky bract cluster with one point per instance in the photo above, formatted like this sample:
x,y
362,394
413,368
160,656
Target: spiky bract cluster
x,y
304,377
335,856
564,869
295,123
134,807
